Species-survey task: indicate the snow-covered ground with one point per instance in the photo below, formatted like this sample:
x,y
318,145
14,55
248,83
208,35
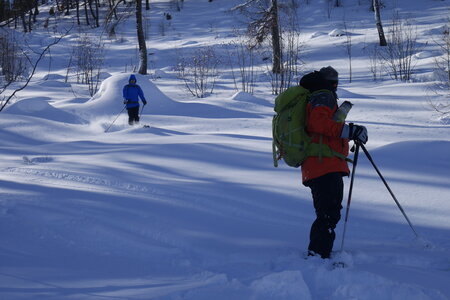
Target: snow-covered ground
x,y
192,207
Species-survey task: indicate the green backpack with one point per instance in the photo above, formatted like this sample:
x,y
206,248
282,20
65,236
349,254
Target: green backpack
x,y
290,139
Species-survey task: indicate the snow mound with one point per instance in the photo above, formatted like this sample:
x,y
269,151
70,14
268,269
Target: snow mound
x,y
54,81
108,101
190,43
243,96
437,75
317,34
440,30
162,74
54,84
104,75
40,108
425,157
53,77
336,32
425,54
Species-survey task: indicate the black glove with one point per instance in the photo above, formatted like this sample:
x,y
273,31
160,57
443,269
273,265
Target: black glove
x,y
125,101
355,132
144,101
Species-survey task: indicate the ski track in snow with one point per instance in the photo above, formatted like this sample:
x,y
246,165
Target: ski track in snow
x,y
58,179
70,180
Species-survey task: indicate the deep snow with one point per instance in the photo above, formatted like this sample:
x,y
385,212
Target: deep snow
x,y
192,207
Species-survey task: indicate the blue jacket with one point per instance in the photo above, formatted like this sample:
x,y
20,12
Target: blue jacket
x,y
132,92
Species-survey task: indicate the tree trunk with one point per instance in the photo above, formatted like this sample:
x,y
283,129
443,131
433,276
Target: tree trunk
x,y
376,6
77,3
112,9
86,12
67,8
276,45
94,14
141,39
36,10
97,22
30,18
24,22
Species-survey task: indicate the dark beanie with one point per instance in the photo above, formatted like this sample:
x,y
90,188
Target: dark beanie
x,y
329,73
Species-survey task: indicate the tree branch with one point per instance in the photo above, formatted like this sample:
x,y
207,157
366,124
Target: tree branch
x,y
41,55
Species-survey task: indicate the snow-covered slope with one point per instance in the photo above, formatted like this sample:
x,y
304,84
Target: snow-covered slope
x,y
192,207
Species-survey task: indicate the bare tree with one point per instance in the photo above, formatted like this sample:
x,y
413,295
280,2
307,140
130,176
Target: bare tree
x,y
266,23
241,54
12,62
290,48
402,45
77,7
275,33
88,61
329,8
374,62
440,100
5,100
113,19
348,48
86,14
199,71
178,4
19,9
95,11
376,7
141,39
443,62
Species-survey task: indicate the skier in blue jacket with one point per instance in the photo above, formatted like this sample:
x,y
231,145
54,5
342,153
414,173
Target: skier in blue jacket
x,y
131,94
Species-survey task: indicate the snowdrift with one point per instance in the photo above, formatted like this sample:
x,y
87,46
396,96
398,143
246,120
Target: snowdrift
x,y
40,108
108,101
429,158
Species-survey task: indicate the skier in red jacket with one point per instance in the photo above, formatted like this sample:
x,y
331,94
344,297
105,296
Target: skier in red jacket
x,y
323,175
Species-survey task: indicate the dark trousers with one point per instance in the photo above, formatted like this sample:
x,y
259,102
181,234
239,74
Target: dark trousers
x,y
327,192
133,115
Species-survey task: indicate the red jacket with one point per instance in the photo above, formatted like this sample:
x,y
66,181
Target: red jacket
x,y
319,121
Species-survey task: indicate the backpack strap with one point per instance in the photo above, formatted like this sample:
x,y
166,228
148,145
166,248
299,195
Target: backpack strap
x,y
320,149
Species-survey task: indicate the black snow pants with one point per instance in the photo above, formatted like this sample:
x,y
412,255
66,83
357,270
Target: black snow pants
x,y
133,115
327,192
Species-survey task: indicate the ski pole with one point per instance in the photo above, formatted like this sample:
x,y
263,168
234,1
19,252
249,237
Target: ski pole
x,y
355,161
142,109
115,118
389,189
